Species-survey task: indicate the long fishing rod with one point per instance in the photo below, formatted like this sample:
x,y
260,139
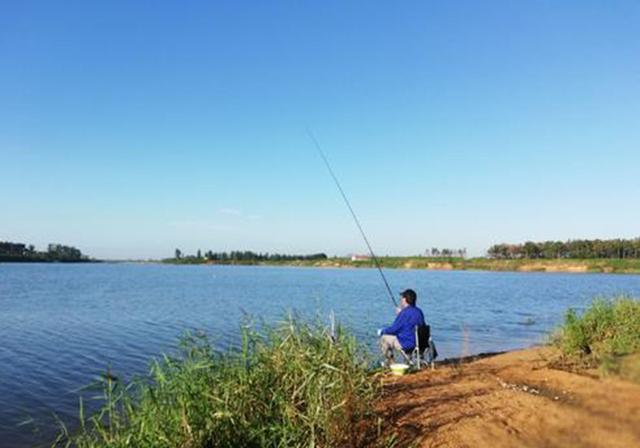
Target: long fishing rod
x,y
355,218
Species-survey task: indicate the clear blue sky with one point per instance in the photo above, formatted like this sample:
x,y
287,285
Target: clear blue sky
x,y
128,129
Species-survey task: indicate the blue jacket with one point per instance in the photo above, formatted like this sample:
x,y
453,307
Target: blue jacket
x,y
404,327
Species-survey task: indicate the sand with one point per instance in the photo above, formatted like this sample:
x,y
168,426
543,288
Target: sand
x,y
515,399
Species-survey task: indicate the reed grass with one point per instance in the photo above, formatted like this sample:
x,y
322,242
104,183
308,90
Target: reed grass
x,y
605,335
292,385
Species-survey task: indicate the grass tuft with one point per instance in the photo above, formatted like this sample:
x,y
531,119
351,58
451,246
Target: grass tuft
x,y
605,335
288,386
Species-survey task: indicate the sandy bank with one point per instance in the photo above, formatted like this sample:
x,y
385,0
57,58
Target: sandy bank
x,y
627,266
515,399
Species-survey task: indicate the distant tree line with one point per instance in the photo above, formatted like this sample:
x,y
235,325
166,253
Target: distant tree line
x,y
241,257
618,248
55,252
445,253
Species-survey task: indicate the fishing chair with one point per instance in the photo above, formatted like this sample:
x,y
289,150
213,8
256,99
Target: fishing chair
x,y
423,342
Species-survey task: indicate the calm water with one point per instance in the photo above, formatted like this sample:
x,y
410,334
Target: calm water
x,y
61,325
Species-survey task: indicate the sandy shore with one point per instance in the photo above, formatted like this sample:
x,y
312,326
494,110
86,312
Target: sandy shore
x,y
515,399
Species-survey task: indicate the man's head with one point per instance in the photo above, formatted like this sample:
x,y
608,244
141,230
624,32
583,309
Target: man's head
x,y
409,296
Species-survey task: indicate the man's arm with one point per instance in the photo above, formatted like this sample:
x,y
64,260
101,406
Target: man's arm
x,y
397,324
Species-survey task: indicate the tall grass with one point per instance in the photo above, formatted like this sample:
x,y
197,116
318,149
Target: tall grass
x,y
606,332
289,386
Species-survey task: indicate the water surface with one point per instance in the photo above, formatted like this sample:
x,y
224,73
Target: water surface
x,y
61,325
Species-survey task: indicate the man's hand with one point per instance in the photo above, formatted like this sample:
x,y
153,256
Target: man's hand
x,y
398,309
379,331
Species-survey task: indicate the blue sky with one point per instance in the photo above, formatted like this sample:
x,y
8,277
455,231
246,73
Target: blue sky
x,y
128,129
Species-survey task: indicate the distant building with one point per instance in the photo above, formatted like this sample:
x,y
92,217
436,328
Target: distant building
x,y
356,257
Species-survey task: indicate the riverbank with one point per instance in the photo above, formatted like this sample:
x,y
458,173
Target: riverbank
x,y
616,266
518,398
303,384
522,398
9,259
56,253
583,390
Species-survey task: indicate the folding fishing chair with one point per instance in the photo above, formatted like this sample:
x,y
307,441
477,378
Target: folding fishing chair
x,y
423,342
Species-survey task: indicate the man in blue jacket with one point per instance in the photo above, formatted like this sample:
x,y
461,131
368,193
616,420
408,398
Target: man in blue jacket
x,y
401,334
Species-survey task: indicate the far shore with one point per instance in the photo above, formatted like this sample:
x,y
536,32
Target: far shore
x,y
569,265
607,266
6,259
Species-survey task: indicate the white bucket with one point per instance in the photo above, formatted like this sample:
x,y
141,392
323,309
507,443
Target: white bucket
x,y
399,369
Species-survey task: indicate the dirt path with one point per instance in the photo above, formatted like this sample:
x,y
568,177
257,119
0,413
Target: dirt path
x,y
510,400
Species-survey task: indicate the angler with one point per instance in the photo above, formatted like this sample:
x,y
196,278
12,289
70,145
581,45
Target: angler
x,y
401,335
408,333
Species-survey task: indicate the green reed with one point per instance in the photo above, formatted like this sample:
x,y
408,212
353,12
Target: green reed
x,y
604,335
292,385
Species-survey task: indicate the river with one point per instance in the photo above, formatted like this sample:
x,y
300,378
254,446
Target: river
x,y
61,325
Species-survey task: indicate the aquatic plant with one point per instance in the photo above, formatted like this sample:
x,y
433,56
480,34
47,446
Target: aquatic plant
x,y
606,332
291,385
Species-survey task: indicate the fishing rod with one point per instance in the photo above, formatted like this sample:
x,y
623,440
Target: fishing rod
x,y
355,218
